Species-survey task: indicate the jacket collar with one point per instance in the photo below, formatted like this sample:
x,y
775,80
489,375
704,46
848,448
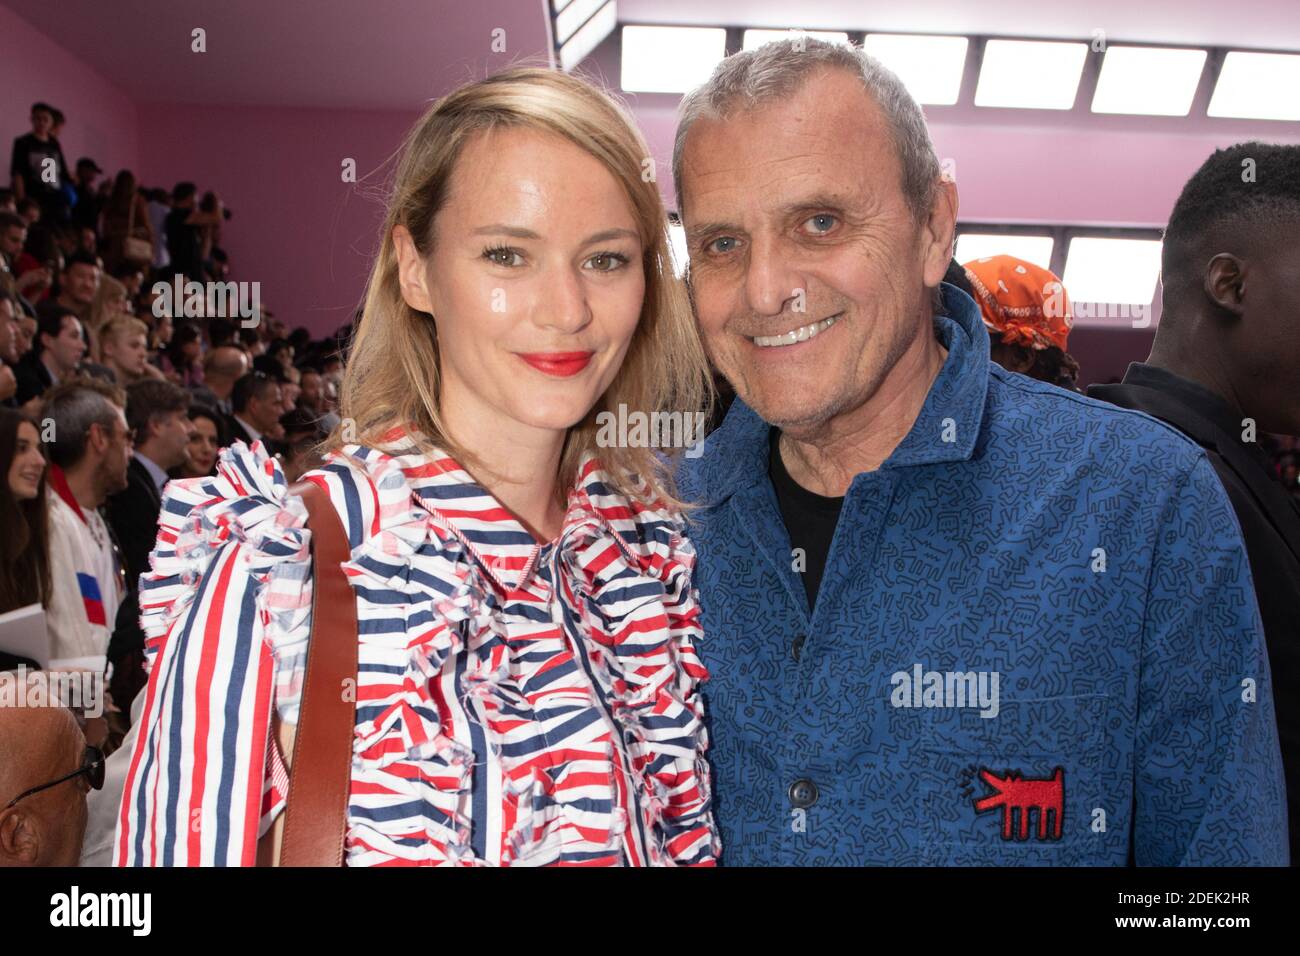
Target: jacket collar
x,y
735,454
1213,423
1204,414
58,482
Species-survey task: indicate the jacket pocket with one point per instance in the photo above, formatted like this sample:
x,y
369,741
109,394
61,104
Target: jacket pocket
x,y
1023,788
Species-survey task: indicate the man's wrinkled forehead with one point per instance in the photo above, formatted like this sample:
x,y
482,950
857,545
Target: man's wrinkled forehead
x,y
828,136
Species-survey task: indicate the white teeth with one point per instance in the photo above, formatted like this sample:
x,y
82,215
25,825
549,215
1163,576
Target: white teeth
x,y
802,334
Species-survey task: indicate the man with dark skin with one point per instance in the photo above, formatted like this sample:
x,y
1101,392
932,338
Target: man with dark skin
x,y
39,745
1224,368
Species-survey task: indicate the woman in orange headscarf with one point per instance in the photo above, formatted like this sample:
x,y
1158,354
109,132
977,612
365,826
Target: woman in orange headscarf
x,y
1028,315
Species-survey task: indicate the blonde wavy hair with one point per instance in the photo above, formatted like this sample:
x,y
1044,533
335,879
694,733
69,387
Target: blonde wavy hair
x,y
392,373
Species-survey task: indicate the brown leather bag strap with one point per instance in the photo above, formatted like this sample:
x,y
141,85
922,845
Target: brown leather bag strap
x,y
320,774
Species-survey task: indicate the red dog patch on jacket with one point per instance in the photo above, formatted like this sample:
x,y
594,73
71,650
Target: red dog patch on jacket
x,y
1015,792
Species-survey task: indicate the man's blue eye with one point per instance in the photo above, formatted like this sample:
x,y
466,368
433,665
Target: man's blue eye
x,y
725,244
821,223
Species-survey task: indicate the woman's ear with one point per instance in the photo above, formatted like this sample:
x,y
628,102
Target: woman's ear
x,y
412,272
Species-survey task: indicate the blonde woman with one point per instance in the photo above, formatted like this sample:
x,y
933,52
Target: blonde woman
x,y
528,687
110,301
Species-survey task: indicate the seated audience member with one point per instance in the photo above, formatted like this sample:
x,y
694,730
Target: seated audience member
x,y
89,455
300,339
24,520
131,276
207,437
182,362
78,283
250,341
46,770
222,367
40,261
257,403
123,349
7,203
221,332
1027,312
26,333
111,300
30,212
302,437
1223,370
10,337
287,379
56,354
158,415
160,336
13,237
310,397
281,352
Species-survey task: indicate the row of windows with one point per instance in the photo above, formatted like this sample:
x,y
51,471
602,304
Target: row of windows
x,y
1010,73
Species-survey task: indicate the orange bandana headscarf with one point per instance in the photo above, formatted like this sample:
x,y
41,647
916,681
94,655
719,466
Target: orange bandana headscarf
x,y
1026,304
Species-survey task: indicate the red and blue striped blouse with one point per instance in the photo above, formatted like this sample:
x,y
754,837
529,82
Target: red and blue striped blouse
x,y
516,702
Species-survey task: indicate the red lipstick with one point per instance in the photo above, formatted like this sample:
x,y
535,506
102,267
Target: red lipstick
x,y
561,364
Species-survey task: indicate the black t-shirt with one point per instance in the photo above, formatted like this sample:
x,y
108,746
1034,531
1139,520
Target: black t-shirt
x,y
810,519
29,154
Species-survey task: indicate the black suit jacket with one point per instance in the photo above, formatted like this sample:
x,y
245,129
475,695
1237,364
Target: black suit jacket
x,y
33,378
237,432
1270,525
133,517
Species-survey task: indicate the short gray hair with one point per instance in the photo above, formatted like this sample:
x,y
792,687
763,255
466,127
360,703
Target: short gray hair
x,y
73,406
780,68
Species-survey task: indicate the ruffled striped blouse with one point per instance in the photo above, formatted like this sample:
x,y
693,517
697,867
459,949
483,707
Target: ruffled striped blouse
x,y
516,703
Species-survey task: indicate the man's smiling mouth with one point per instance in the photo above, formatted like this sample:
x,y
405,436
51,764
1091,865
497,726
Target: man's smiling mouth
x,y
795,336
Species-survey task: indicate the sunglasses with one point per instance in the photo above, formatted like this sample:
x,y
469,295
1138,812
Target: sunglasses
x,y
92,765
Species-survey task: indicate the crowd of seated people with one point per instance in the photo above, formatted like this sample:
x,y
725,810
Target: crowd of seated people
x,y
105,394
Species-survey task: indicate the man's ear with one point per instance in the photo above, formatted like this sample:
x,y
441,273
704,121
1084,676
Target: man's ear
x,y
19,844
97,437
411,271
1225,282
938,231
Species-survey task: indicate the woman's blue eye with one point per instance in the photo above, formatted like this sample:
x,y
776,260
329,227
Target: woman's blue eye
x,y
821,222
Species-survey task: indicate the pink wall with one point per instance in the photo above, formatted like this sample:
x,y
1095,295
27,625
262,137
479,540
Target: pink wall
x,y
296,227
101,121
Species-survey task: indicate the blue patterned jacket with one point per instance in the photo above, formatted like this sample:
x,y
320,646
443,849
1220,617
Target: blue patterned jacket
x,y
1083,556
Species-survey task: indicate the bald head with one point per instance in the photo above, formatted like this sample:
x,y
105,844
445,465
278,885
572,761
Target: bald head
x,y
38,745
222,367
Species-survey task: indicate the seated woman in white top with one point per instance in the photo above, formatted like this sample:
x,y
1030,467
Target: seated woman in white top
x,y
528,686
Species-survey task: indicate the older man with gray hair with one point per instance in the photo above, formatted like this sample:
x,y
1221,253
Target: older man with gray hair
x,y
954,615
